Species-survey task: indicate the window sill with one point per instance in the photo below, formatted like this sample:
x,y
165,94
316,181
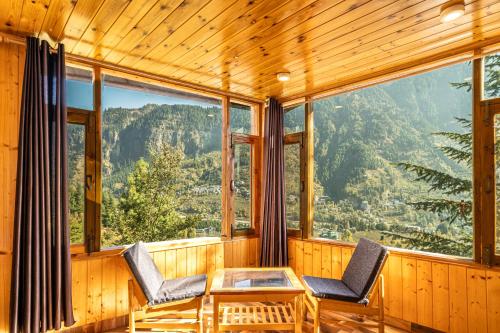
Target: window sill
x,y
434,257
152,247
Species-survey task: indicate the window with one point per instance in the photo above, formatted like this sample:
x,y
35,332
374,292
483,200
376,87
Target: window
x,y
161,163
294,119
242,186
294,183
242,119
76,182
79,88
244,156
393,163
491,76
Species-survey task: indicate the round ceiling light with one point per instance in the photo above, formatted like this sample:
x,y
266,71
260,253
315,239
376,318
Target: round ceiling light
x,y
283,76
452,11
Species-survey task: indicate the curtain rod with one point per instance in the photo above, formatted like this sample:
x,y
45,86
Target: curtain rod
x,y
20,40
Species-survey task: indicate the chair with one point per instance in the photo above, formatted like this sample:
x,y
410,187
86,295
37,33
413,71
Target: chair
x,y
155,303
360,291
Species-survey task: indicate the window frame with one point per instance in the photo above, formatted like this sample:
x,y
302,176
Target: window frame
x,y
255,140
86,118
484,169
297,138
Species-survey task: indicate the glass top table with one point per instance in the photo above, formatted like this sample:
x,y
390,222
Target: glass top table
x,y
253,279
250,280
256,299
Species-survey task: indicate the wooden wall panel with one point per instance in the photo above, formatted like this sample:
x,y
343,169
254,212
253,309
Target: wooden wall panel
x,y
11,72
439,294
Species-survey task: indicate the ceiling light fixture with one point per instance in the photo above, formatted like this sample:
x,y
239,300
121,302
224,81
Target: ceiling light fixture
x,y
452,11
283,76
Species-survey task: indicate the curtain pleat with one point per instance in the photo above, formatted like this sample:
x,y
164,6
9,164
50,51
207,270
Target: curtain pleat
x,y
41,266
274,250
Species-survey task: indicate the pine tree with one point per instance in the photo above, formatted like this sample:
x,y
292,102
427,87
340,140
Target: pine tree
x,y
452,195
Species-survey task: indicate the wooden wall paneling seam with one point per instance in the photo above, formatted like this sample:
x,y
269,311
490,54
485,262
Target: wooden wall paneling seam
x,y
458,301
395,298
409,276
476,297
343,49
440,297
493,300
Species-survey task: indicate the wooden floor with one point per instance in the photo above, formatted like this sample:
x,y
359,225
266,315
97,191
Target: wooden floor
x,y
331,322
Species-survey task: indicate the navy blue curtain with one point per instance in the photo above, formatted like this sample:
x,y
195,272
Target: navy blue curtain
x,y
41,265
274,249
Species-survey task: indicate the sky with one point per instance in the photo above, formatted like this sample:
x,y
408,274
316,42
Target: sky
x,y
79,95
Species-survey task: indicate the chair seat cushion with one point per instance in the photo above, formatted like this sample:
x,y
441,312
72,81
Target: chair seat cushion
x,y
332,289
181,288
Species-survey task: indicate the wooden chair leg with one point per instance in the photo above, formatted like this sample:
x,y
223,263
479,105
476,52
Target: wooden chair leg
x,y
131,312
316,316
381,324
199,316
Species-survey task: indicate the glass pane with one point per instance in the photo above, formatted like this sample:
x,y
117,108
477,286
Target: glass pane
x,y
255,279
79,88
242,186
241,118
76,168
393,163
161,163
292,185
492,76
294,119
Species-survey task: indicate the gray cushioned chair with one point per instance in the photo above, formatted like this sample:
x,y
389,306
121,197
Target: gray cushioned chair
x,y
360,291
151,296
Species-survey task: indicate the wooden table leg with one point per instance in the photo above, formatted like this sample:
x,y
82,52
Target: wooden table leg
x,y
298,314
215,323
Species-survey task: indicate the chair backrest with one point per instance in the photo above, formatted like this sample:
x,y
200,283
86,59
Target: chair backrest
x,y
144,270
364,267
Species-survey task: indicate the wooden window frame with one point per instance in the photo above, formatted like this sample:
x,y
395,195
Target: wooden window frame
x,y
255,140
298,139
86,118
484,166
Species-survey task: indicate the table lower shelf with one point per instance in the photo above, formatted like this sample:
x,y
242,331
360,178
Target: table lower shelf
x,y
257,317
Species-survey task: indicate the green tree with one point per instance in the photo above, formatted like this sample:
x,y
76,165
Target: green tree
x,y
148,209
452,199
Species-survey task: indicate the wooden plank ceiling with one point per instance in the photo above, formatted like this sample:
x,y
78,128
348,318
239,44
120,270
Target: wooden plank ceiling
x,y
240,45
